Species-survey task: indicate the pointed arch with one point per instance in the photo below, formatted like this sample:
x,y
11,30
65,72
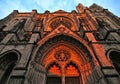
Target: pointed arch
x,y
72,73
80,56
54,69
73,66
77,40
70,40
8,60
55,21
53,73
114,57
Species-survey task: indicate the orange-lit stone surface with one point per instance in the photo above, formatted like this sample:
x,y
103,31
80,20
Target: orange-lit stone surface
x,y
54,70
77,47
71,71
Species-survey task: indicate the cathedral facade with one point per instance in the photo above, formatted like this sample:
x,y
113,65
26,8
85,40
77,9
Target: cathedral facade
x,y
77,47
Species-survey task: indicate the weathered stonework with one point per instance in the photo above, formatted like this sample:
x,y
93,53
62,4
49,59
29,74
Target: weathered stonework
x,y
78,47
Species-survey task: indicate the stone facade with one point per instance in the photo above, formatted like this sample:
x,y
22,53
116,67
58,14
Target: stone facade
x,y
78,47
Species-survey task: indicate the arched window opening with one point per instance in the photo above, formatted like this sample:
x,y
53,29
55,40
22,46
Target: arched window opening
x,y
69,75
115,58
54,74
54,69
72,75
71,70
7,63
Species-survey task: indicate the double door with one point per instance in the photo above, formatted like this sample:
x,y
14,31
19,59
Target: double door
x,y
59,80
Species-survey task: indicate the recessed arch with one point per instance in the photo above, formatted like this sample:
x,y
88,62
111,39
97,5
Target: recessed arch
x,y
79,55
8,60
114,57
67,47
11,51
72,73
65,20
68,39
54,69
60,16
78,40
73,66
54,73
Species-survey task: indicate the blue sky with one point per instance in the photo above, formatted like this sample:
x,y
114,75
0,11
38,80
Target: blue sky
x,y
7,6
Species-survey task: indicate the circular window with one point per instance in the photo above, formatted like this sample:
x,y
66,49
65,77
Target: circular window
x,y
62,55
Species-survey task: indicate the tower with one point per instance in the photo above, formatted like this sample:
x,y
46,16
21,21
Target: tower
x,y
78,47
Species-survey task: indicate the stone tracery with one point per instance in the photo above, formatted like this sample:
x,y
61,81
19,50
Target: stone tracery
x,y
62,55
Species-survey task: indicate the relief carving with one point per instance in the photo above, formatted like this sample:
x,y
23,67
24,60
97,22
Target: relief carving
x,y
62,55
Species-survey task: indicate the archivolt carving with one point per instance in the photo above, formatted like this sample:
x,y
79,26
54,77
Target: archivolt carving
x,y
63,50
68,39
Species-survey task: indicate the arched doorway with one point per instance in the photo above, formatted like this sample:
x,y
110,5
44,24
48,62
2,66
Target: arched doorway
x,y
7,63
115,59
65,55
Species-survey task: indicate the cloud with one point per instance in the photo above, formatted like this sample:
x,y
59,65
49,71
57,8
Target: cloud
x,y
45,4
53,5
84,2
7,6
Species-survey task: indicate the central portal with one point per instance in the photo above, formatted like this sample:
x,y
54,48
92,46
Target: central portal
x,y
61,64
65,61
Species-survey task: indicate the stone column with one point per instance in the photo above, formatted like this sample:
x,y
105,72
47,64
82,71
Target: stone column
x,y
63,75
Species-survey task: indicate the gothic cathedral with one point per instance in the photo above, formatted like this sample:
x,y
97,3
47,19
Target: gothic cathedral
x,y
77,47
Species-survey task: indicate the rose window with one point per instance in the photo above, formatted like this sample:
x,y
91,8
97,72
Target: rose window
x,y
62,55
